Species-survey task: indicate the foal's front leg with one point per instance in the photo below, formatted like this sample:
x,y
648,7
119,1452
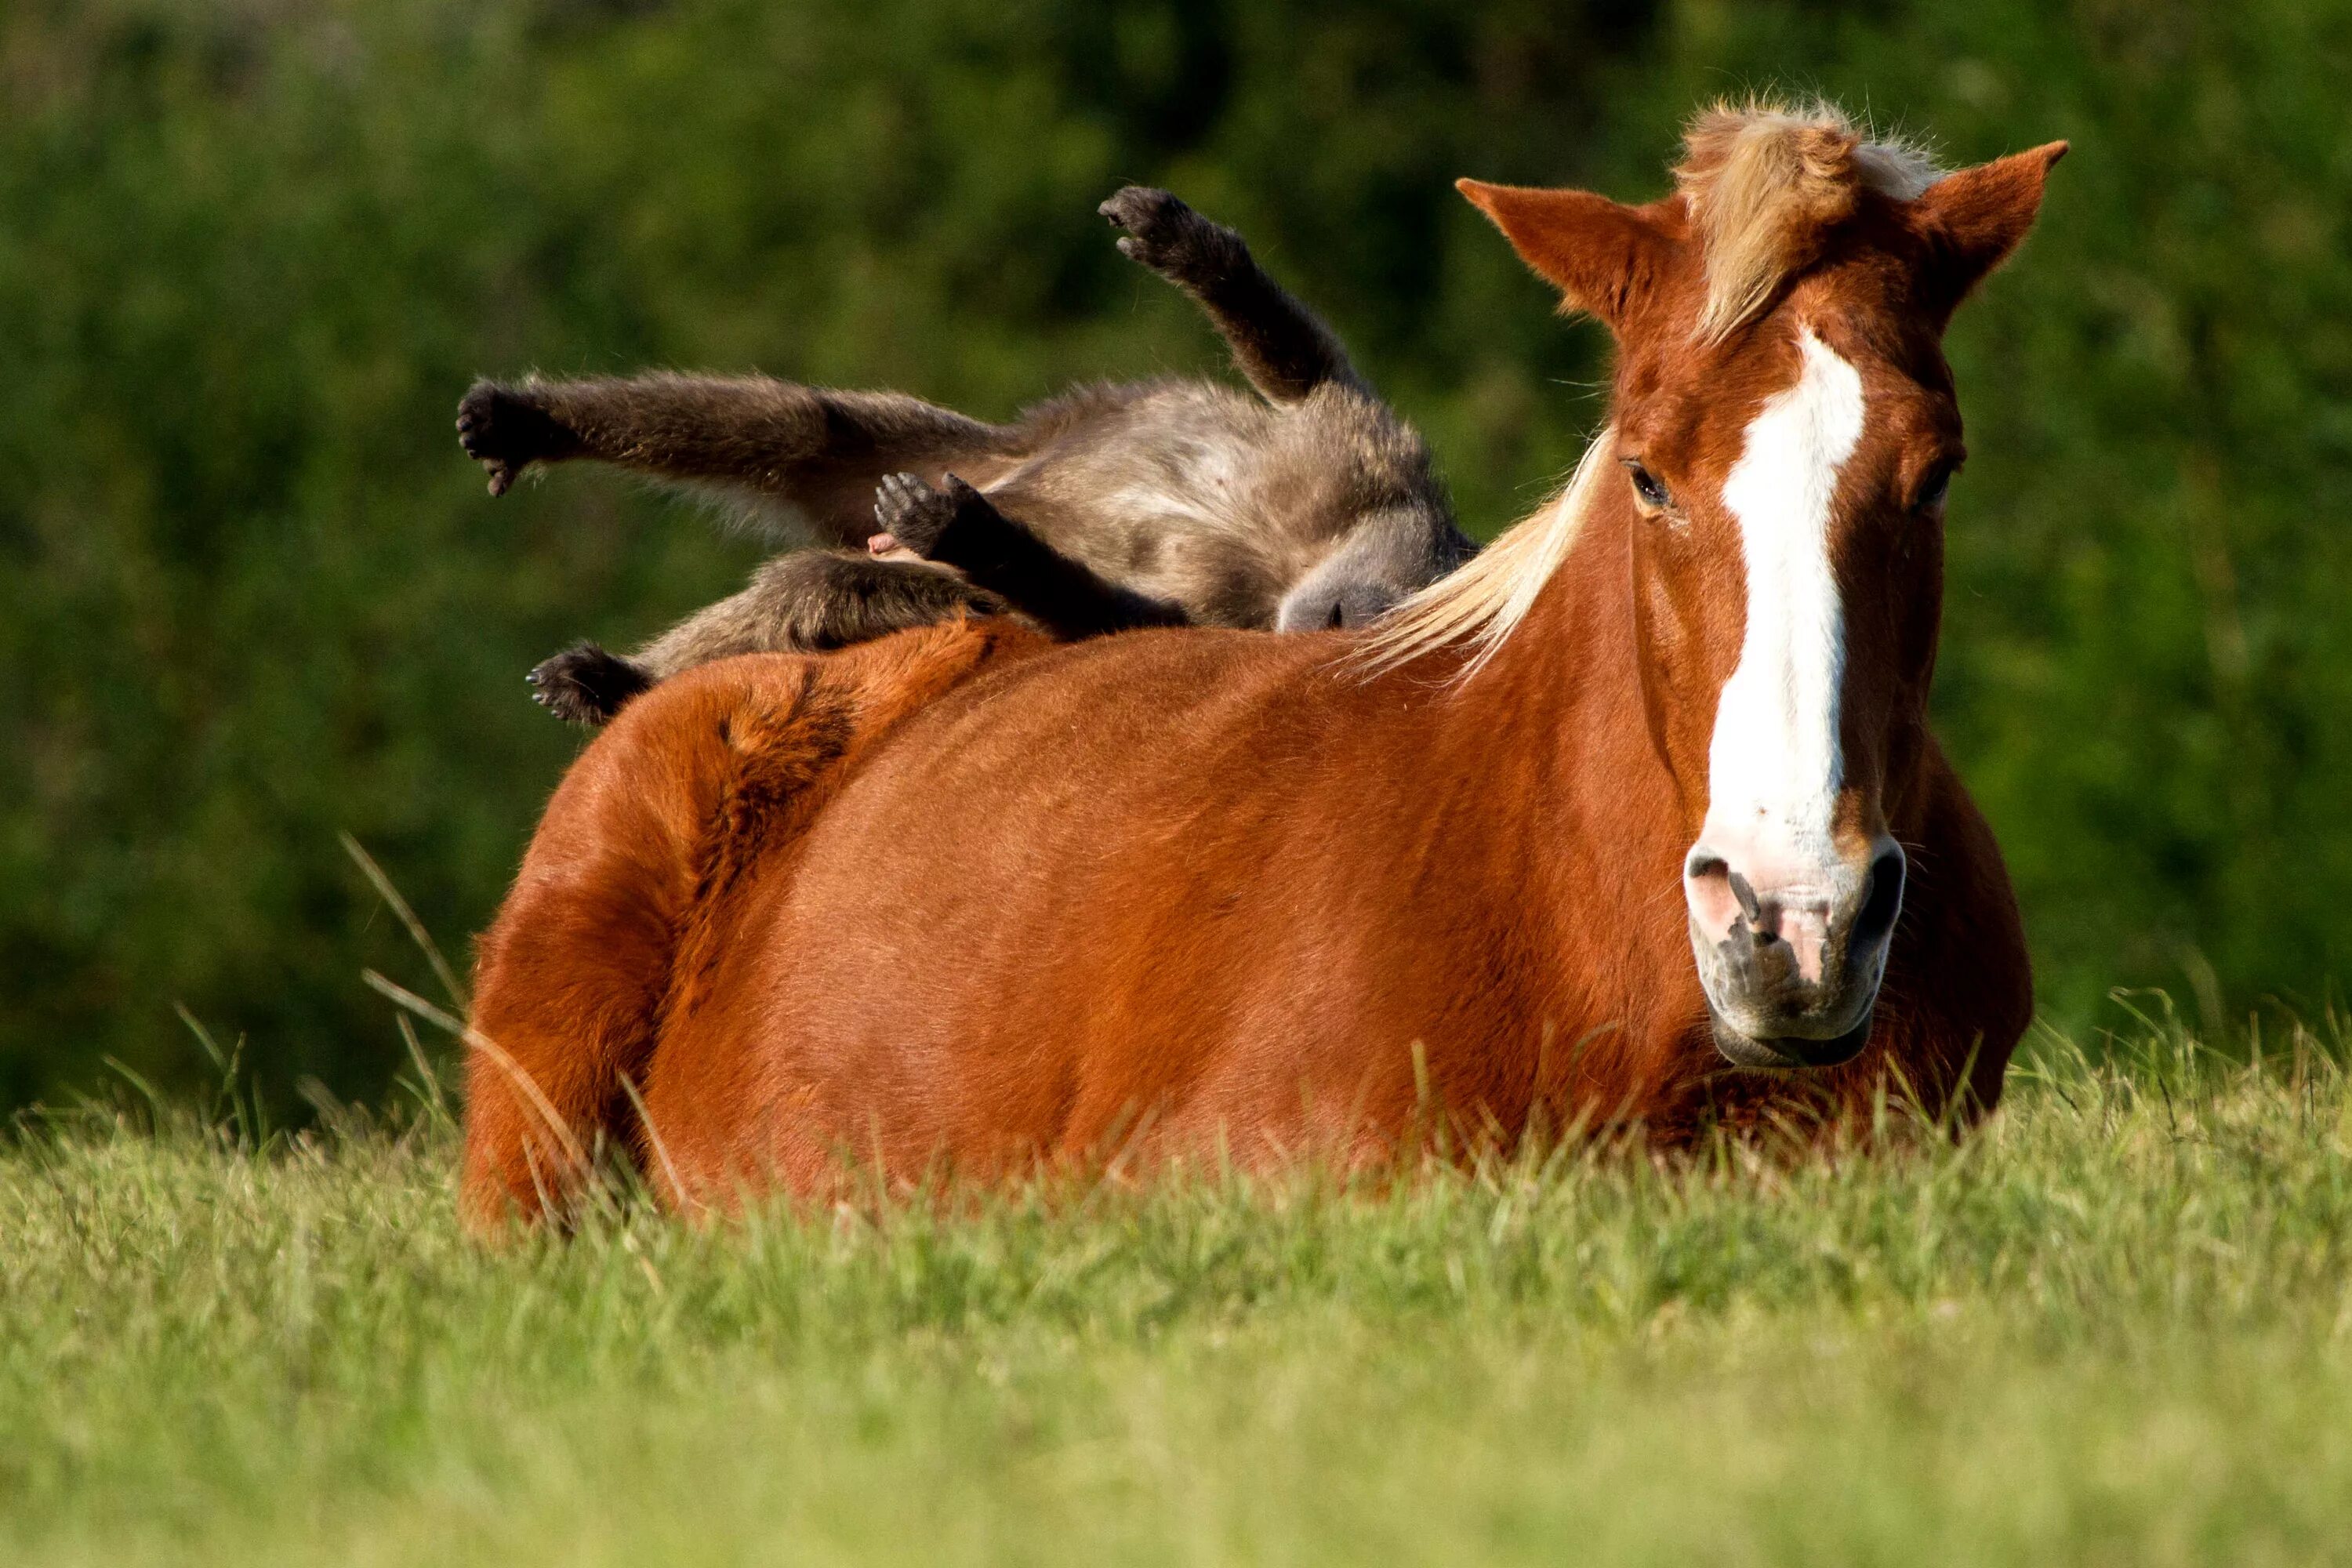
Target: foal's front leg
x,y
1281,345
960,528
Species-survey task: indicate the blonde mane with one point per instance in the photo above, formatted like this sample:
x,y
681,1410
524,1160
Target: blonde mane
x,y
1482,603
1763,182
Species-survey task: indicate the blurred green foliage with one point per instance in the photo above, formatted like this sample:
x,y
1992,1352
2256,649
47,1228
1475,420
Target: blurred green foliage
x,y
252,250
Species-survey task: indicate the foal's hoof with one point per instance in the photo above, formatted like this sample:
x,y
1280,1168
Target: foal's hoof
x,y
1163,233
505,429
913,515
585,685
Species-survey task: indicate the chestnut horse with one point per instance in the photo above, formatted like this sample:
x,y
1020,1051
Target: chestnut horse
x,y
1635,819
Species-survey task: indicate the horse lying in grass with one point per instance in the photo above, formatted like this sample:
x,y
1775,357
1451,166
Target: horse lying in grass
x,y
1636,819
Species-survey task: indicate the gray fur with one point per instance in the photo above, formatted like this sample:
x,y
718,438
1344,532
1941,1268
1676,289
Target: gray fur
x,y
1311,504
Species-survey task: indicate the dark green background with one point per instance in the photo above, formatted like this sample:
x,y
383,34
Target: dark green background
x,y
252,250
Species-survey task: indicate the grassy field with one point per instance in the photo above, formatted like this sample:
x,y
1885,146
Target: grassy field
x,y
2115,1327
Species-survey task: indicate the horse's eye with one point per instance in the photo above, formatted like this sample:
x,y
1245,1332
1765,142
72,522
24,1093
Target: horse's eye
x,y
1932,493
1647,486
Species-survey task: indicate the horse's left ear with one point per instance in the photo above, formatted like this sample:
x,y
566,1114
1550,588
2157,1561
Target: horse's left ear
x,y
1603,255
1980,215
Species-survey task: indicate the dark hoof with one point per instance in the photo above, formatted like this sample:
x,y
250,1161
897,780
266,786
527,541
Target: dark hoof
x,y
1163,233
506,430
913,514
585,685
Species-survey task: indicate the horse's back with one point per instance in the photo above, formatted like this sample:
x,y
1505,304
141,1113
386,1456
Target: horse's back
x,y
1097,889
963,896
1156,886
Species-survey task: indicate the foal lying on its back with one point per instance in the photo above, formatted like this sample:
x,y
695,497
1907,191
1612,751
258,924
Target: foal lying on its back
x,y
1167,502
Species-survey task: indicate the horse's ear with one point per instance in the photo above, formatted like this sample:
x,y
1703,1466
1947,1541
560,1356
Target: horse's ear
x,y
1980,215
1602,255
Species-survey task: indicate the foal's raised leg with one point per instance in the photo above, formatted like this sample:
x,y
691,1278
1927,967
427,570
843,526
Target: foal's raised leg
x,y
816,450
808,602
1281,345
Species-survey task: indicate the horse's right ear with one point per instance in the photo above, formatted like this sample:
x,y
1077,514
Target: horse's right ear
x,y
1602,255
1981,213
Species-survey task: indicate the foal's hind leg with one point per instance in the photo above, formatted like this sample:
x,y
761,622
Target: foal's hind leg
x,y
1282,346
812,448
812,601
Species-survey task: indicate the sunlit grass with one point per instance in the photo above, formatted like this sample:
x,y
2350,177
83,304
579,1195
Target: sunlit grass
x,y
2113,1326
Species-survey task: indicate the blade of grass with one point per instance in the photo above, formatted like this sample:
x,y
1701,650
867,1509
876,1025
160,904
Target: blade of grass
x,y
399,906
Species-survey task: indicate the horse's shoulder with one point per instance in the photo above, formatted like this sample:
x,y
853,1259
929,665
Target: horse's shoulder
x,y
1967,934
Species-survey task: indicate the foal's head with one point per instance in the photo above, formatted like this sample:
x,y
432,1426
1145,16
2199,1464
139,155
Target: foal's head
x,y
1783,432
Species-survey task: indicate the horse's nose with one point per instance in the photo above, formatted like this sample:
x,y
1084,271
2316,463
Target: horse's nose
x,y
1790,949
1809,909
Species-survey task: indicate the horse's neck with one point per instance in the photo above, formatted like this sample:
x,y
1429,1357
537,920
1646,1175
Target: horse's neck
x,y
1567,764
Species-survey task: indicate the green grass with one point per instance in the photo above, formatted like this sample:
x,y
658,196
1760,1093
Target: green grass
x,y
2114,1327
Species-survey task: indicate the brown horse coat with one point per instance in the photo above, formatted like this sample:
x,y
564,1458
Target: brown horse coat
x,y
959,899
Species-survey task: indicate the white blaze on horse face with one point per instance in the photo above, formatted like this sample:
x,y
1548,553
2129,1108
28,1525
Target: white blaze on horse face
x,y
1774,765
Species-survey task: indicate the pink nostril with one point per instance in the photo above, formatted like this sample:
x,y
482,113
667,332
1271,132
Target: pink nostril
x,y
1810,915
1704,862
1707,886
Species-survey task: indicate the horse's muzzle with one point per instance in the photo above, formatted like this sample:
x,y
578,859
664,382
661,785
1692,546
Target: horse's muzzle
x,y
1792,969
